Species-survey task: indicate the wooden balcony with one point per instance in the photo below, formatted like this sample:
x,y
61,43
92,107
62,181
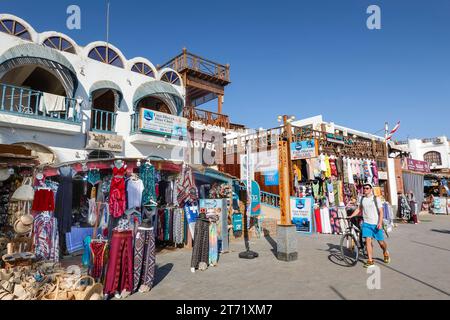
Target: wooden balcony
x,y
207,117
203,68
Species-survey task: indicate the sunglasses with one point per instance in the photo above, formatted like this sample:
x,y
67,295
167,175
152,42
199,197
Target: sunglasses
x,y
367,188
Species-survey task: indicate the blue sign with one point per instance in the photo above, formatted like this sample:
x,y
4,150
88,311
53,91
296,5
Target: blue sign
x,y
302,214
303,150
256,199
271,178
237,222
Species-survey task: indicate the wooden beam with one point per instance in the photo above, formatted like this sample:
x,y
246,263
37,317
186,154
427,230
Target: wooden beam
x,y
204,85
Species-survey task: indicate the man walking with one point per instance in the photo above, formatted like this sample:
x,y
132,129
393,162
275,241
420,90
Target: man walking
x,y
372,227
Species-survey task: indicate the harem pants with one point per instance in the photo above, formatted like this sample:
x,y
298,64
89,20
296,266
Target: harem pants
x,y
144,258
120,266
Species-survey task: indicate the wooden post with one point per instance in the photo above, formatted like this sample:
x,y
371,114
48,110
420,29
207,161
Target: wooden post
x,y
285,199
288,128
220,98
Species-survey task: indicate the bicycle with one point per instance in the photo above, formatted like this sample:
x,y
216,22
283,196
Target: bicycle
x,y
352,243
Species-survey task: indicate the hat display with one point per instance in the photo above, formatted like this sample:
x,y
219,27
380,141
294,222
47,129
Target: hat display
x,y
4,174
27,219
22,229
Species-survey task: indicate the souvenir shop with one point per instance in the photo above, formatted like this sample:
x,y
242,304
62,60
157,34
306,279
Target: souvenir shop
x,y
336,185
119,213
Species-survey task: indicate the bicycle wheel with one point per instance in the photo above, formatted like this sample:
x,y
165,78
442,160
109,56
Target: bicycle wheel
x,y
349,249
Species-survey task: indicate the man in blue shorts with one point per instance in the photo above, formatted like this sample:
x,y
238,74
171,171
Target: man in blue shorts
x,y
372,228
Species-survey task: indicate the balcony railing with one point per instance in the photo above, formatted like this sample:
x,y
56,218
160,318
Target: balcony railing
x,y
190,61
31,103
103,121
135,123
271,200
207,117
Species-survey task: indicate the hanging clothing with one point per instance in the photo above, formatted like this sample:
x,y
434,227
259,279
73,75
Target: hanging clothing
x,y
46,237
144,258
375,172
333,168
44,200
318,220
119,276
213,244
98,249
94,177
117,198
135,189
340,167
328,167
350,171
64,196
200,252
325,218
334,222
178,227
147,175
330,191
322,163
310,165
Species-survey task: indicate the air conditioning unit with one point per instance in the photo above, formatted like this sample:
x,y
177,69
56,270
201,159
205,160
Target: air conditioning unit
x,y
438,141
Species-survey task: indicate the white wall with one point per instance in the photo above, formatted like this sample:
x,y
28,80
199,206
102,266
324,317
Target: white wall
x,y
419,149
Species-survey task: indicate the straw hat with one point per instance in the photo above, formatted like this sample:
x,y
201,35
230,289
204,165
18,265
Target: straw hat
x,y
4,174
94,292
22,229
27,220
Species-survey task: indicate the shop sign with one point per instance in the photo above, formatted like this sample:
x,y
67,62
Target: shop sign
x,y
335,139
302,214
382,175
271,178
162,123
417,166
202,126
104,142
237,222
304,150
191,217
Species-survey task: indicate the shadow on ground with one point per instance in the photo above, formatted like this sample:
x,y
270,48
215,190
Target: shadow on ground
x,y
273,244
162,272
441,231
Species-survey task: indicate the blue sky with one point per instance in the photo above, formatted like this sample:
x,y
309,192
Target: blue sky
x,y
303,57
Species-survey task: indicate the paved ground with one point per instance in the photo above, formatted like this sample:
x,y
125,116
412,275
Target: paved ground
x,y
420,270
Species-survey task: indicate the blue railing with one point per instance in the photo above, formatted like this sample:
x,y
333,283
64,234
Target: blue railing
x,y
135,123
103,121
270,199
31,103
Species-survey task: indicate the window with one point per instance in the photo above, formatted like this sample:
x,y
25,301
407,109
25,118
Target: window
x,y
14,28
106,55
143,68
171,77
59,43
433,157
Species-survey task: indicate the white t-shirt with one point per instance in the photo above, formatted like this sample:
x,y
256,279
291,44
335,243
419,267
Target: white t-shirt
x,y
135,189
370,214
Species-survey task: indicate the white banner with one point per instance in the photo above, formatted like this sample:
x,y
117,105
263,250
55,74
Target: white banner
x,y
162,123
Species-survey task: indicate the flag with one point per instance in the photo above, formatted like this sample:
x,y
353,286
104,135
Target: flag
x,y
391,134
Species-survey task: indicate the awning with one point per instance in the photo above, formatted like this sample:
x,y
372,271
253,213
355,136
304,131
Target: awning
x,y
33,54
12,155
108,85
44,155
212,174
161,90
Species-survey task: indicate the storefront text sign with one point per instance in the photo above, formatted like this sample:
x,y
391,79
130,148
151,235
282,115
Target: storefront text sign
x,y
335,139
303,150
302,211
162,123
417,166
104,142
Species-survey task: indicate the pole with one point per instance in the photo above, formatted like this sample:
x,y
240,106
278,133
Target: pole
x,y
288,128
386,148
107,31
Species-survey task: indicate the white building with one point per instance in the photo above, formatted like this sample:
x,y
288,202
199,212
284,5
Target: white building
x,y
83,101
435,151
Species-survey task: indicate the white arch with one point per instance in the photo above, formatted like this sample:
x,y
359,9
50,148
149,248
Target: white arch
x,y
45,35
94,44
165,70
133,61
33,34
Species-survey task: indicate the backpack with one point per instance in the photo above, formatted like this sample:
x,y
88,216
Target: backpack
x,y
374,200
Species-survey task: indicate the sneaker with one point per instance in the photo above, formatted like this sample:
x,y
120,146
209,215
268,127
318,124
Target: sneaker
x,y
369,264
387,258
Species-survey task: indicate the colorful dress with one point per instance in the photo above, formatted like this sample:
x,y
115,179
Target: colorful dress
x,y
117,197
147,175
213,244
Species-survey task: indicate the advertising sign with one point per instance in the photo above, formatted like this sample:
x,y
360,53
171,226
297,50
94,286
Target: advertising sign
x,y
303,150
271,178
218,207
162,123
335,139
256,199
417,166
104,141
302,214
